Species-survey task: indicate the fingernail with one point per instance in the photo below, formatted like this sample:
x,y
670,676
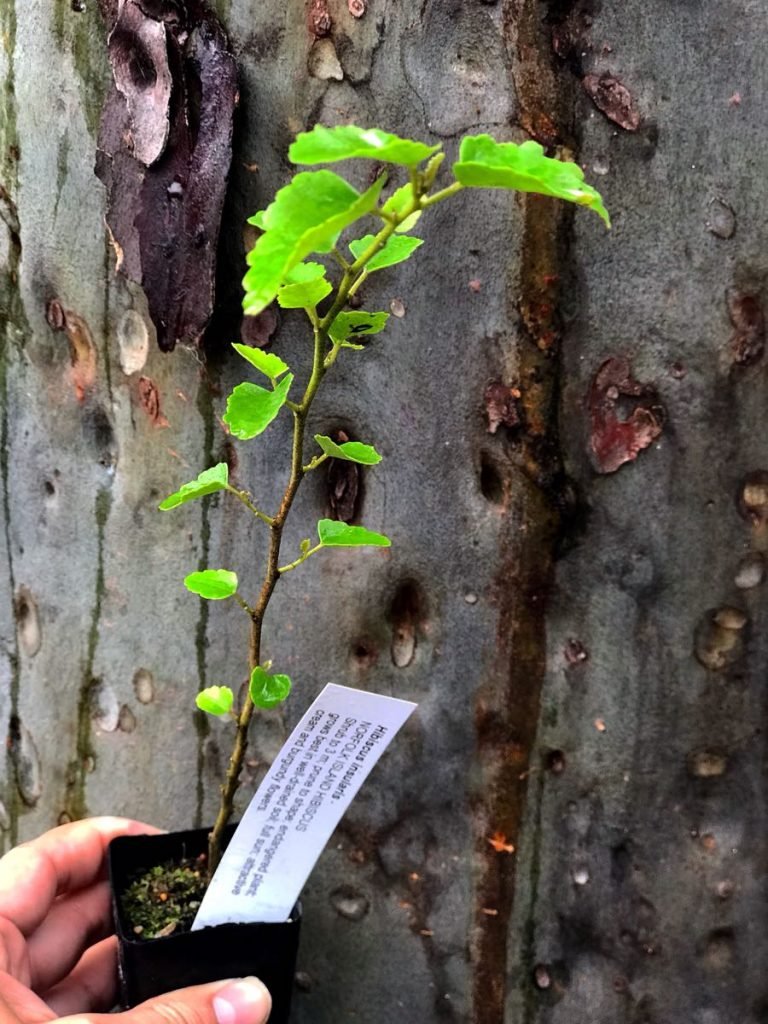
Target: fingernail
x,y
242,1002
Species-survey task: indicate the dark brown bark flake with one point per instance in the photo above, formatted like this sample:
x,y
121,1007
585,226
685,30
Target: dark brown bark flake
x,y
614,99
164,153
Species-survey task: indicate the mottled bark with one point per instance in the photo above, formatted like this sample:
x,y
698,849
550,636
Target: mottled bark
x,y
573,425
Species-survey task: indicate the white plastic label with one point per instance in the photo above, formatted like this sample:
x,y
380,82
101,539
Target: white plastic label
x,y
304,794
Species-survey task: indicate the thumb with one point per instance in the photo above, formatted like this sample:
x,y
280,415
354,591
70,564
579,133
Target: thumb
x,y
238,1001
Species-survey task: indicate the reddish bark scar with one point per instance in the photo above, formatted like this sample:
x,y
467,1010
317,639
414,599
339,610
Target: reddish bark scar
x,y
616,439
149,399
82,351
501,406
319,18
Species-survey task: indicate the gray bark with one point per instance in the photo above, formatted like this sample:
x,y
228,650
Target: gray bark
x,y
552,614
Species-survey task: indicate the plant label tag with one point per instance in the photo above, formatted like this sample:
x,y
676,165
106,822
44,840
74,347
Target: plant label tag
x,y
304,794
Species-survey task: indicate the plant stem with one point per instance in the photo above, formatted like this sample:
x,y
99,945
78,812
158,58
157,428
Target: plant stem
x,y
246,499
271,576
336,253
318,460
302,558
360,280
353,276
243,604
331,358
438,197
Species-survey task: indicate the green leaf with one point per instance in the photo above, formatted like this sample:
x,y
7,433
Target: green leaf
x,y
306,216
268,691
326,145
208,482
485,163
350,451
304,272
396,249
212,584
351,325
216,700
304,294
309,199
250,408
334,534
398,202
258,220
268,363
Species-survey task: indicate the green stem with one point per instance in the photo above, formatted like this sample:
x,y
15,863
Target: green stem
x,y
244,605
357,270
302,558
331,358
356,284
444,193
336,253
318,460
247,500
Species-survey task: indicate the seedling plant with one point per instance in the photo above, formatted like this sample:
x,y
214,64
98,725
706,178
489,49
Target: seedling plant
x,y
307,218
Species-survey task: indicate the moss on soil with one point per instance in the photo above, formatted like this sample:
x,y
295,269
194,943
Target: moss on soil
x,y
164,900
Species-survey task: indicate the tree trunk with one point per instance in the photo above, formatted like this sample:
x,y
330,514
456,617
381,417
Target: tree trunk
x,y
576,602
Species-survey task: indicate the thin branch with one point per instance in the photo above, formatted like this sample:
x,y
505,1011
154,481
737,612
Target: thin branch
x,y
302,558
444,193
356,284
318,460
343,263
247,500
331,358
244,605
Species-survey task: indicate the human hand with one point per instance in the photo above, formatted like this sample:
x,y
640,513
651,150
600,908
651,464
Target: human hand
x,y
58,955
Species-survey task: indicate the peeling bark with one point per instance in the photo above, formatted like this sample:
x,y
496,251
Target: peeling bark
x,y
165,149
614,99
616,436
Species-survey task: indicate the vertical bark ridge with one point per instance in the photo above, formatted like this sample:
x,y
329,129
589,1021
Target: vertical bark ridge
x,y
507,705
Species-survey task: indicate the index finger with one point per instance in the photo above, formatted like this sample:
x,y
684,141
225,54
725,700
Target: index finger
x,y
65,859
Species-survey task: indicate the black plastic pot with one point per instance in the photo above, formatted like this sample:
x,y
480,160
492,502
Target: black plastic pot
x,y
153,966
